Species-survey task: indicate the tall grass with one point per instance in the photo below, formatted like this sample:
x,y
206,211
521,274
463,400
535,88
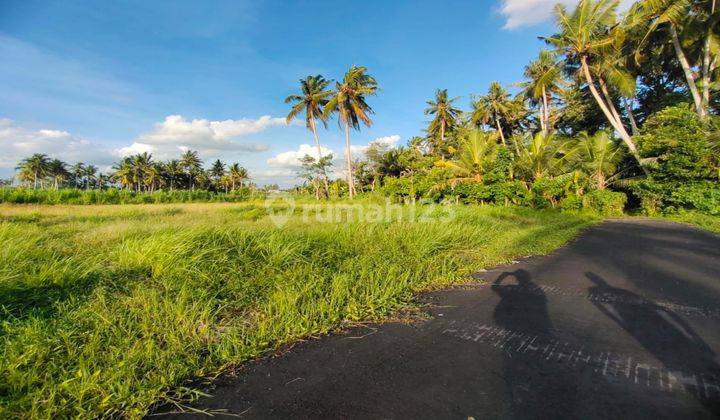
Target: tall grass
x,y
115,196
105,310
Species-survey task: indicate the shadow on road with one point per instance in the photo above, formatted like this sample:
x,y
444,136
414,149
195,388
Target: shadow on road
x,y
665,335
535,391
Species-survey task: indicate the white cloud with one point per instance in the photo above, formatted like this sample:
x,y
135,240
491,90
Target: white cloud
x,y
18,142
176,134
520,13
291,158
389,142
286,164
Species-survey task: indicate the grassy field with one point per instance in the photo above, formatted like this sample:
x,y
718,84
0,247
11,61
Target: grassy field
x,y
107,309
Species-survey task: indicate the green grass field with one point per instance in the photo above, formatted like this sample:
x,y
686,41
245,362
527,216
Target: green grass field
x,y
108,309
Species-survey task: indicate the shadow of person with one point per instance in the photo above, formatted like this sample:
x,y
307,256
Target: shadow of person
x,y
534,389
522,306
668,337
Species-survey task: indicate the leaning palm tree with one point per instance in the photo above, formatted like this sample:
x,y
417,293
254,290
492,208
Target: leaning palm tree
x,y
584,35
599,157
313,98
349,101
698,19
36,166
490,109
445,115
477,152
544,78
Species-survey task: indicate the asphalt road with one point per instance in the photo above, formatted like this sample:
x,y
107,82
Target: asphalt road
x,y
623,322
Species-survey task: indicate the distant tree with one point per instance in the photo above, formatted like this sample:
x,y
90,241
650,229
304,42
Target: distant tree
x,y
90,175
217,172
192,165
78,174
58,172
34,168
492,108
445,118
313,171
544,79
238,175
173,172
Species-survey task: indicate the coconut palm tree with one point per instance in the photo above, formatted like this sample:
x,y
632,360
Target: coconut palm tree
x,y
35,167
140,165
313,98
173,172
217,171
78,174
124,173
599,157
238,175
445,116
349,101
697,22
544,78
490,109
90,175
192,165
584,35
539,156
57,170
477,151
153,176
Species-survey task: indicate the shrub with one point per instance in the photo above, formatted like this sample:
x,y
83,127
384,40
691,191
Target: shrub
x,y
115,196
605,202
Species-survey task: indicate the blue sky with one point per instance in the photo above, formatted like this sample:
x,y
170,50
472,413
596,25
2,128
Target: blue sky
x,y
91,81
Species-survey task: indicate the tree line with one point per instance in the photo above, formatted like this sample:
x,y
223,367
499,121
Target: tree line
x,y
139,173
623,102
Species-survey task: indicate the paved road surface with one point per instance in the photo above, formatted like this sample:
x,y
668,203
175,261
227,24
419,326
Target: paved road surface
x,y
623,322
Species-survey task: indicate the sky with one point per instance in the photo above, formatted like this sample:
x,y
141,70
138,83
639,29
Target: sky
x,y
95,81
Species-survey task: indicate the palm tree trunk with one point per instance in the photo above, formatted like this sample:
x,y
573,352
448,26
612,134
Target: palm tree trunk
x,y
35,181
319,150
706,66
702,112
631,117
611,105
499,129
545,123
442,138
348,155
608,114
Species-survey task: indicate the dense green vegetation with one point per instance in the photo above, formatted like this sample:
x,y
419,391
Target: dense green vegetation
x,y
620,113
116,196
106,309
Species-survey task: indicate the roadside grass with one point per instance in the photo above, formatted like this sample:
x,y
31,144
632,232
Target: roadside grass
x,y
105,310
705,221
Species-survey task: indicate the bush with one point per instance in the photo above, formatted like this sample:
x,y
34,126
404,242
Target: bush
x,y
115,196
605,202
